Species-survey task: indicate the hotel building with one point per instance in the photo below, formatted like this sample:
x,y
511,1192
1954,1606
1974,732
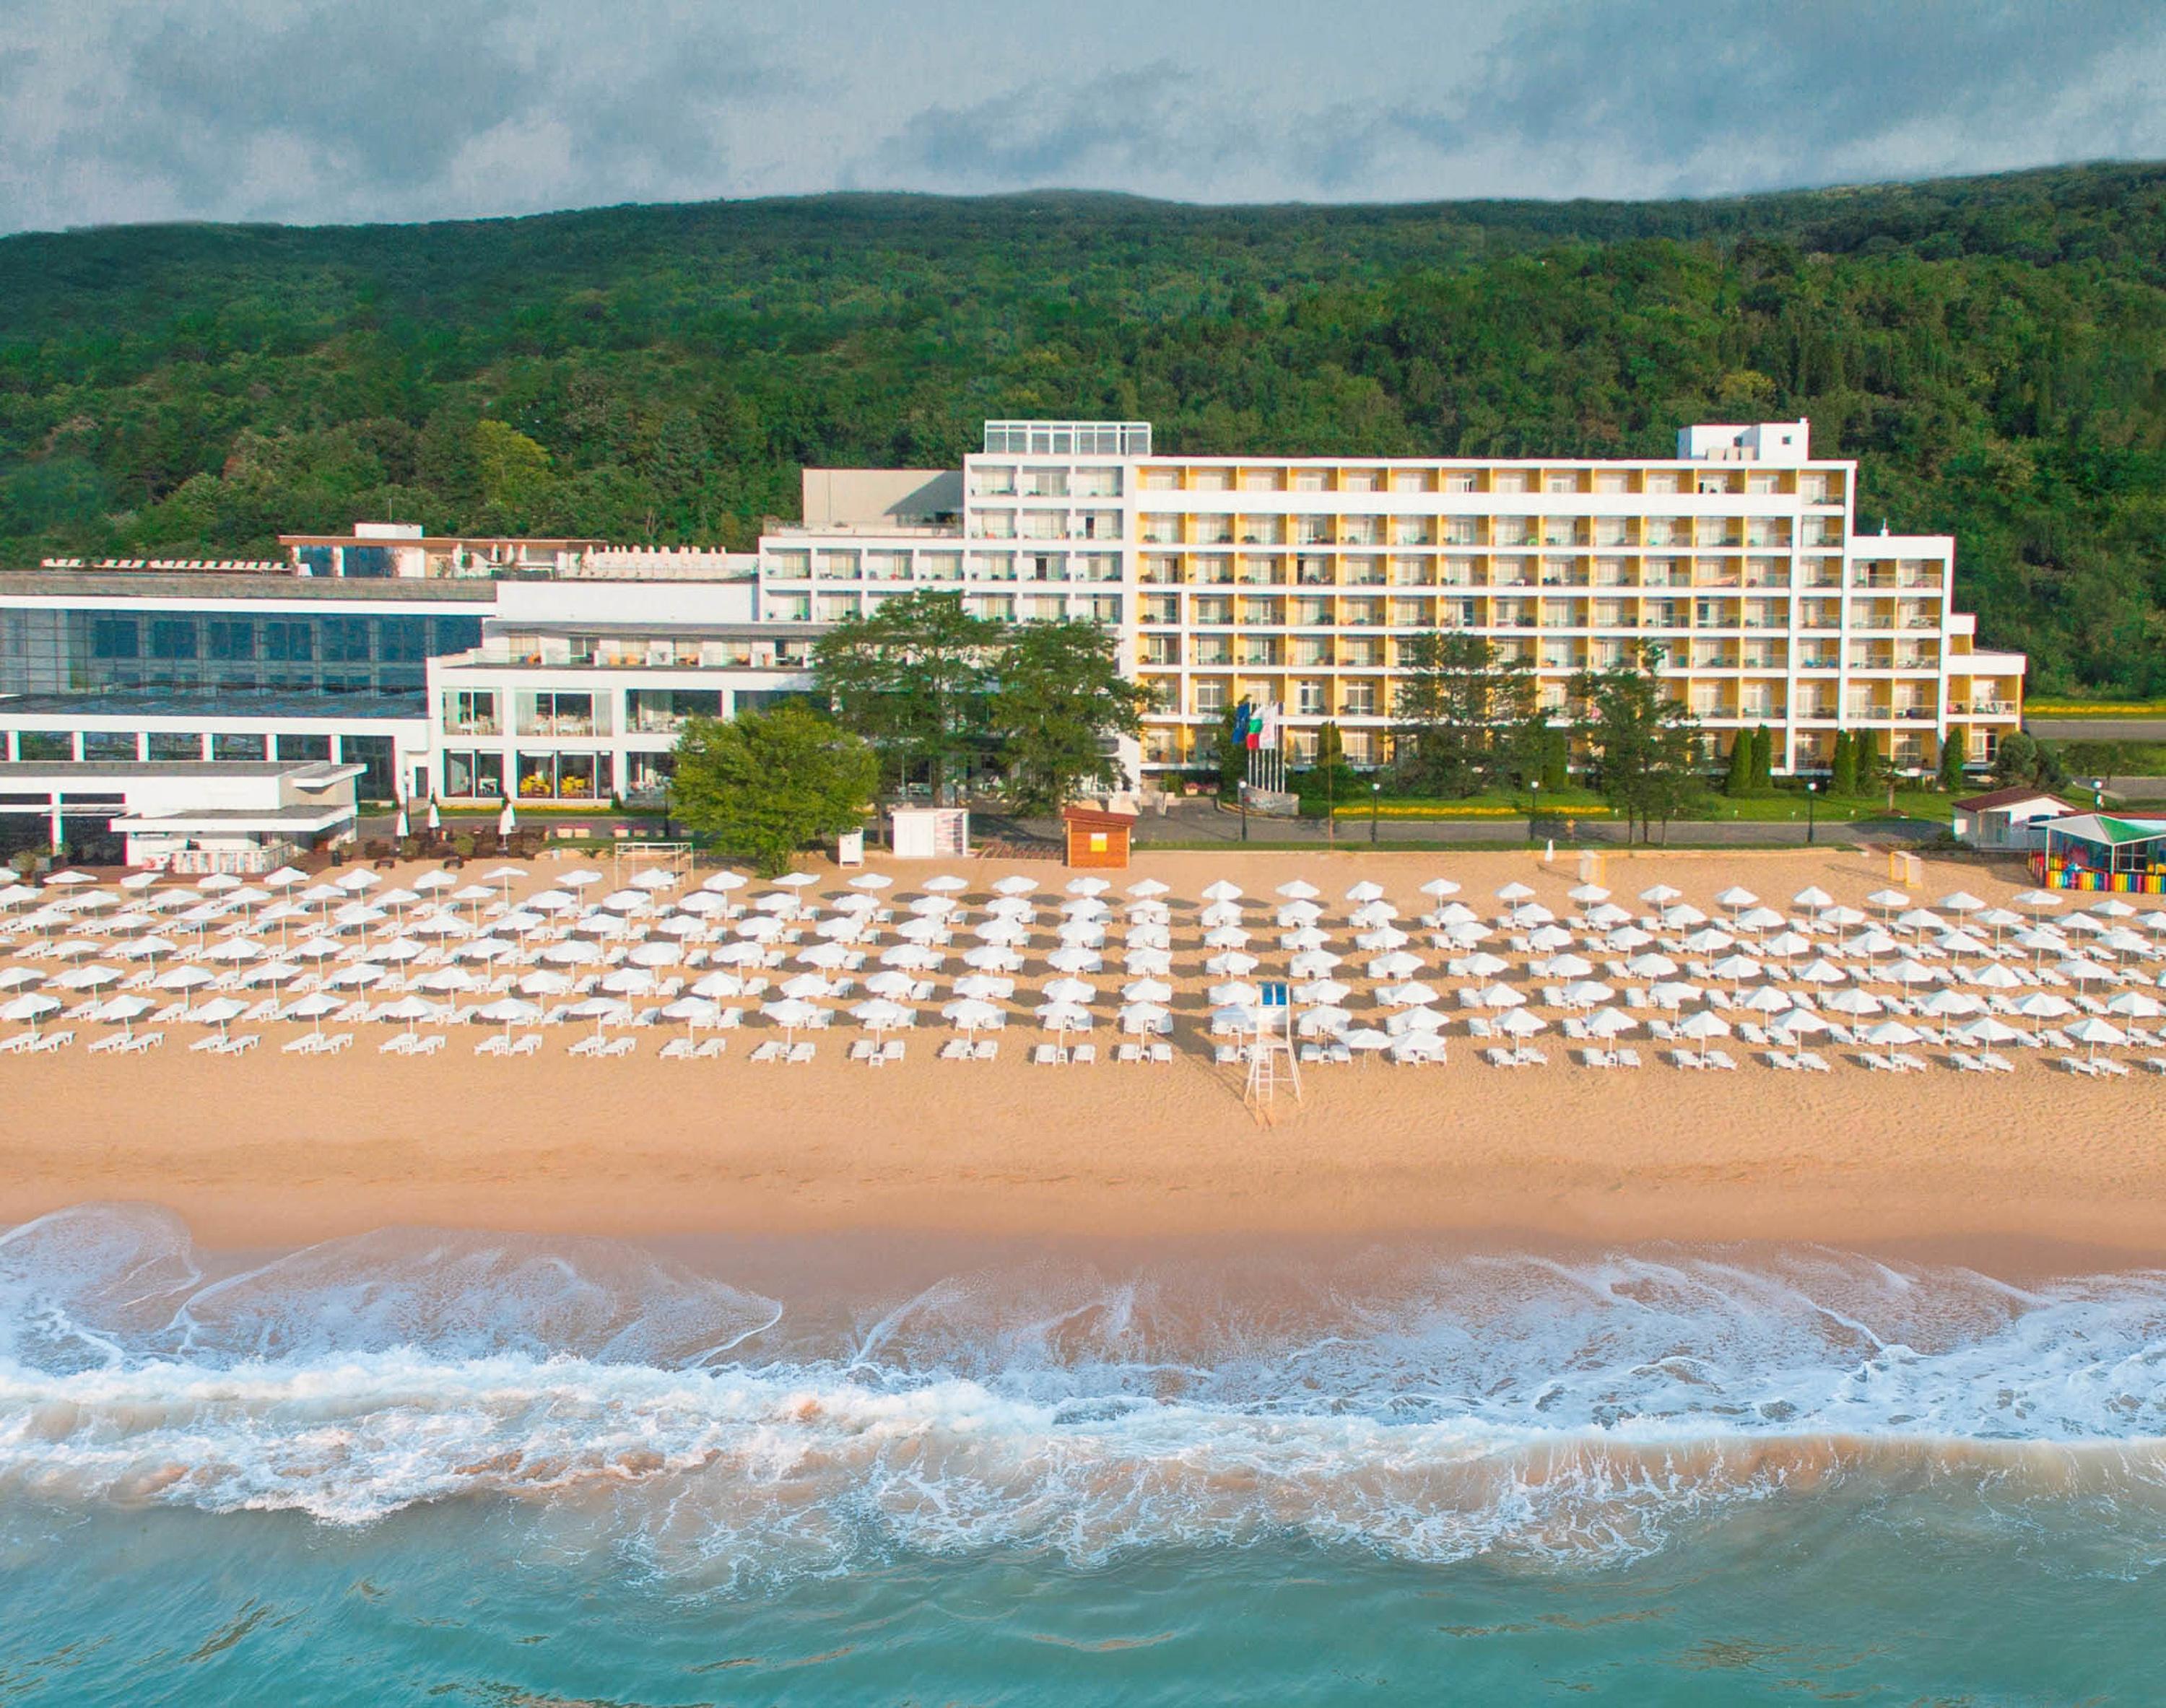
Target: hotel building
x,y
1301,580
562,670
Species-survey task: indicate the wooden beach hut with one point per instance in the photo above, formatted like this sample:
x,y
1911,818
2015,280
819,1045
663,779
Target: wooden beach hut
x,y
1098,839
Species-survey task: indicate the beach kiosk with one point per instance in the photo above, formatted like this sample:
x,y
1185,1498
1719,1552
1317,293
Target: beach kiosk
x,y
1098,839
2104,852
929,833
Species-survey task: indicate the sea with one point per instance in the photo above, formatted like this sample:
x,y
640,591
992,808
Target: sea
x,y
426,1467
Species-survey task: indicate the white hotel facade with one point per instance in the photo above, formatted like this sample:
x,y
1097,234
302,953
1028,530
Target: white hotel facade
x,y
1301,580
561,672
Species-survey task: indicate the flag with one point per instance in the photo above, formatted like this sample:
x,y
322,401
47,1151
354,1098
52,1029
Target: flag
x,y
1241,716
1270,726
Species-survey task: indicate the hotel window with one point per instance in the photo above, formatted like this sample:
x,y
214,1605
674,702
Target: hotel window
x,y
402,639
173,746
113,637
1360,745
1210,695
1046,566
172,637
346,640
238,747
1309,700
1097,483
108,744
470,712
993,481
1358,699
1045,482
1106,608
231,639
291,746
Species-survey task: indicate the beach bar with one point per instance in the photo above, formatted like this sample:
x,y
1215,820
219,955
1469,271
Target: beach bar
x,y
2101,851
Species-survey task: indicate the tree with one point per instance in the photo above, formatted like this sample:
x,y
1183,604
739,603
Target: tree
x,y
1467,719
1737,783
1556,759
1865,762
1763,759
1842,765
2022,761
1233,758
764,784
912,679
1058,696
1953,752
514,471
1643,742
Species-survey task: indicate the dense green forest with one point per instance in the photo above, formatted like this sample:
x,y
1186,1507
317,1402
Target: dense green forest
x,y
1992,348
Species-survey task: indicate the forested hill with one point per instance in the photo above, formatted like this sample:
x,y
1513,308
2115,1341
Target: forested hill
x,y
1991,348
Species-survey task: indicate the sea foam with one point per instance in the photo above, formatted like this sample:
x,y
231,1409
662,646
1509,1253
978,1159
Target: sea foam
x,y
1429,1407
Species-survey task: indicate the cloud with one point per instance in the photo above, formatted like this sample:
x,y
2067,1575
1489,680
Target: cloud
x,y
340,110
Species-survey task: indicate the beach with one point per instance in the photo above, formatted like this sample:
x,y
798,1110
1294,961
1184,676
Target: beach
x,y
272,1150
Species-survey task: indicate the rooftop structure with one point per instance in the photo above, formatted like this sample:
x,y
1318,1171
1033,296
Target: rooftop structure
x,y
243,818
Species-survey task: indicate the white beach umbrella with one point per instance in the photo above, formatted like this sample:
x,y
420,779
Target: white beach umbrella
x,y
1069,990
91,977
712,986
543,982
1147,887
1153,990
1295,914
1853,1002
1308,938
1651,965
1147,1017
1322,992
1517,1022
220,1011
1395,964
1298,889
603,1011
2134,1005
2039,900
1000,958
661,954
1736,968
1588,894
913,957
1673,994
1887,900
1233,993
1660,895
355,975
448,981
921,931
577,952
1610,1023
486,949
891,984
759,928
985,987
1891,1034
1843,919
1607,916
1222,891
1586,994
1767,998
871,880
1440,887
946,883
973,1014
1014,884
1410,995
1736,897
1993,975
1008,932
630,981
833,956
1233,964
1812,898
1318,963
1385,938
1499,996
1708,940
1785,946
407,1011
883,1014
1482,964
806,986
1680,915
29,1007
1986,1030
1226,937
1757,918
122,1011
1821,971
1703,1026
1063,1017
1327,1020
15,977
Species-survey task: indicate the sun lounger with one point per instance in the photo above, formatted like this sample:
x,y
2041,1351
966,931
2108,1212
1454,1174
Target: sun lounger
x,y
2077,1064
678,1050
496,1044
862,1051
955,1049
111,1040
2106,1064
614,1048
239,1044
142,1043
591,1045
1720,1058
1597,1058
1225,1055
891,1051
1995,1063
1498,1056
1161,1055
801,1052
986,1049
52,1041
1046,1055
1128,1053
19,1042
203,1046
1777,1060
526,1044
1686,1059
771,1050
1083,1055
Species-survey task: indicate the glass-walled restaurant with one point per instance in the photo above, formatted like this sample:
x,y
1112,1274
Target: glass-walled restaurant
x,y
46,650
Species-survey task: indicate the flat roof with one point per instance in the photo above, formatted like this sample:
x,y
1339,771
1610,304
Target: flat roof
x,y
304,774
211,820
555,629
297,704
190,584
439,540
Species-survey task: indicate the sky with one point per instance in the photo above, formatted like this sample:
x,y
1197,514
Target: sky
x,y
343,111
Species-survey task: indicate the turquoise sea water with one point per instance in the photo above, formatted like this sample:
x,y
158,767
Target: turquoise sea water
x,y
433,1468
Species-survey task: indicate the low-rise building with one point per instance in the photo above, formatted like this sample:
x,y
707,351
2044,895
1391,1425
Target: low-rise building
x,y
203,817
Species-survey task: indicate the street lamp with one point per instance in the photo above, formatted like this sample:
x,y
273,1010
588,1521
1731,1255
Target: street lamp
x,y
1534,808
2097,786
1376,791
1812,793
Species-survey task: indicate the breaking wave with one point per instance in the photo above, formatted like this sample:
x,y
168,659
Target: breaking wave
x,y
1428,1407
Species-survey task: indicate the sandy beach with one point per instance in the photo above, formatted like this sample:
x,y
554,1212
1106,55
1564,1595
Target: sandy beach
x,y
268,1149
